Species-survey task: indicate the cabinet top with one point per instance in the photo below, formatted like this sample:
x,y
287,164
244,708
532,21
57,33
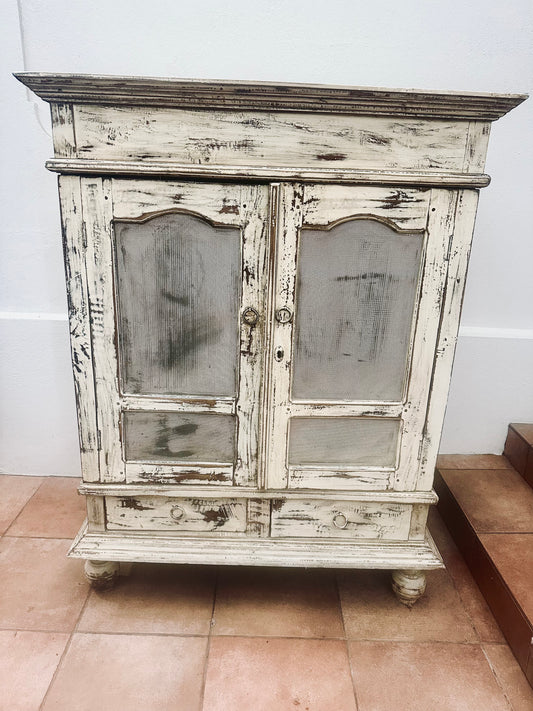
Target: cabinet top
x,y
267,96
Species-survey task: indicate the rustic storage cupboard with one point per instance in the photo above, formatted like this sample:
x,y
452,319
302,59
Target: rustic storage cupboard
x,y
264,288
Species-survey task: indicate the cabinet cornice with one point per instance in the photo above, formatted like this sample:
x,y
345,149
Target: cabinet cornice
x,y
267,96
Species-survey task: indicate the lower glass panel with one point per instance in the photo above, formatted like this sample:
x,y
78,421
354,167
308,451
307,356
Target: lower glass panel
x,y
353,441
179,437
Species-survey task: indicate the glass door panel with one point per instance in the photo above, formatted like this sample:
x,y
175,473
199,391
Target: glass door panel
x,y
356,287
178,293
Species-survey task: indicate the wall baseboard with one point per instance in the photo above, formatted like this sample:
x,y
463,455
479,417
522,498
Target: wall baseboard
x,y
488,332
464,331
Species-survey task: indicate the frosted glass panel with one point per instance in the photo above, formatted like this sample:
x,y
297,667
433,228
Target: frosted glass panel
x,y
179,437
178,282
355,297
343,441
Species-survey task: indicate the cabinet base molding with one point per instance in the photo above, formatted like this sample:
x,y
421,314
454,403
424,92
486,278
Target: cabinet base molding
x,y
307,553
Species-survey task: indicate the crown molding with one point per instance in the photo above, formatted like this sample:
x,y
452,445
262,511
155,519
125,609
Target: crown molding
x,y
267,96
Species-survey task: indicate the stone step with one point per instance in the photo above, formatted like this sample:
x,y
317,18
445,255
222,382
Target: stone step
x,y
488,509
519,449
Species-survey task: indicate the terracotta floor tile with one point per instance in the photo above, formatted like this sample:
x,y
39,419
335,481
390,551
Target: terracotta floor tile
x,y
137,673
472,461
512,554
42,589
164,599
422,677
15,491
288,602
512,679
28,661
250,674
372,612
55,511
471,597
493,500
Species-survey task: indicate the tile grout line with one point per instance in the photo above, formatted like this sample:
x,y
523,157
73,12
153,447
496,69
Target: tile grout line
x,y
208,645
346,640
38,538
56,671
66,650
366,640
496,677
6,532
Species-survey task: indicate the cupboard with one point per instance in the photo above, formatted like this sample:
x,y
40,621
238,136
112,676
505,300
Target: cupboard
x,y
264,286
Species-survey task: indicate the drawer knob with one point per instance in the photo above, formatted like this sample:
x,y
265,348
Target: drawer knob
x,y
340,520
177,513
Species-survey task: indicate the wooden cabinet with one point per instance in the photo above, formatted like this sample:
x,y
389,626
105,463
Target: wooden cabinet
x,y
264,288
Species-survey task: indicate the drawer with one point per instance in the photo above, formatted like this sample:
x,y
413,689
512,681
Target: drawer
x,y
308,518
176,514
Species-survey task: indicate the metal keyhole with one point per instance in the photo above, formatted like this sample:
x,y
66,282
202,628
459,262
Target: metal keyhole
x,y
278,355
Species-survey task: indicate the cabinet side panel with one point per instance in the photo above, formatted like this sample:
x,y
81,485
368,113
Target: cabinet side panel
x,y
97,211
63,130
459,254
476,146
79,320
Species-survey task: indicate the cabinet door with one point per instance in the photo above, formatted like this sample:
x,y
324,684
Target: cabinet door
x,y
359,278
177,283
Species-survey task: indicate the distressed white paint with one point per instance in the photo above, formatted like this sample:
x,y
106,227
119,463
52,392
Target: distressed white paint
x,y
340,519
96,207
318,553
259,138
81,344
270,231
405,497
324,175
144,513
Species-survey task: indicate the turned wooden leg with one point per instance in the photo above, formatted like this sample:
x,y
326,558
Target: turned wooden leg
x,y
102,574
408,585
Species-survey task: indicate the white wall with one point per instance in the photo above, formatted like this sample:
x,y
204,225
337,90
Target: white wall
x,y
479,45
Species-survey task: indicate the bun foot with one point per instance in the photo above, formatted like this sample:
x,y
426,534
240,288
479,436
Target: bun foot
x,y
408,585
102,574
